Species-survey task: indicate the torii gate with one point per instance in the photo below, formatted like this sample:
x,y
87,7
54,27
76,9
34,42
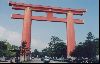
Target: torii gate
x,y
27,17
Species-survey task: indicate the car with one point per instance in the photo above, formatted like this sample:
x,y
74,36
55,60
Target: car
x,y
32,58
60,59
46,60
42,59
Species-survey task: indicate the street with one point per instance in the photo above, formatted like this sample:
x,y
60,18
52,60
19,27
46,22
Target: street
x,y
38,60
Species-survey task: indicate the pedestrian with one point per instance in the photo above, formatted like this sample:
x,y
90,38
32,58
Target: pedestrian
x,y
11,60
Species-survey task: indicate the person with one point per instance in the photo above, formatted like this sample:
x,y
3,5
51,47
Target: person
x,y
11,60
17,60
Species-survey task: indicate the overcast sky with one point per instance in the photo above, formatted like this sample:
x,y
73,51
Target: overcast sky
x,y
11,29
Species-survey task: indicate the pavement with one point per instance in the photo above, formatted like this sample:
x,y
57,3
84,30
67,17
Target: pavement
x,y
8,61
37,60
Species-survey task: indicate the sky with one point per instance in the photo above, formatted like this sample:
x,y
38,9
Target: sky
x,y
11,29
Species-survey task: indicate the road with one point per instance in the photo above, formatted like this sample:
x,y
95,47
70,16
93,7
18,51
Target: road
x,y
38,60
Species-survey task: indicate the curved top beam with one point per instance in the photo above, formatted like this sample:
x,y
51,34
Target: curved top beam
x,y
40,8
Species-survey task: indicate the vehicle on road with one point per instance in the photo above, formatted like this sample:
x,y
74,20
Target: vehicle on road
x,y
42,59
46,60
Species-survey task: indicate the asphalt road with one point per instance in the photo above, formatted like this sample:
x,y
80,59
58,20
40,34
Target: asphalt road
x,y
38,60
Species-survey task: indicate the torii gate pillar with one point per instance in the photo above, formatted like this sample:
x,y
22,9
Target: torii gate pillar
x,y
70,33
26,33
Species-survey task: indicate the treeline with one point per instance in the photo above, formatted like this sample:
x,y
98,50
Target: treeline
x,y
57,48
89,48
5,49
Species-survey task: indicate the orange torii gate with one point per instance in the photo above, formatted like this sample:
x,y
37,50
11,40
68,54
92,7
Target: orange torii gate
x,y
27,17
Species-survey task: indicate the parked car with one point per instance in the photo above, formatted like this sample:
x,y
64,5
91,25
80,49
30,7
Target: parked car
x,y
42,59
32,57
46,60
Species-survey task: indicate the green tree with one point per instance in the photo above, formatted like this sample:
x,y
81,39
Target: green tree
x,y
36,53
89,48
96,44
90,36
45,52
23,44
56,48
5,49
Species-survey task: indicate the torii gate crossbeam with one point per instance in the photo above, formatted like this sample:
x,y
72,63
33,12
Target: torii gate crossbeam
x,y
26,34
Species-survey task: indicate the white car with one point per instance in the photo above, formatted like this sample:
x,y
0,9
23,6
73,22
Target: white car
x,y
46,60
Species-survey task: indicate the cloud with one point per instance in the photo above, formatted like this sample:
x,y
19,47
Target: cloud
x,y
2,30
14,38
37,44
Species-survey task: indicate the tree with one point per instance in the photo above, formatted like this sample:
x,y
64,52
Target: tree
x,y
23,44
56,48
89,48
45,52
96,43
5,49
3,45
35,53
90,36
